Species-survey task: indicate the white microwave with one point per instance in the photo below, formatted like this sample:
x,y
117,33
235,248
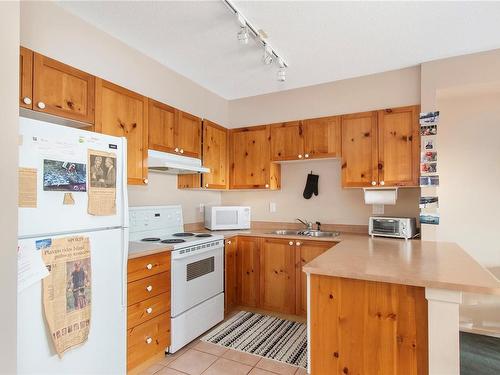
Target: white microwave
x,y
227,217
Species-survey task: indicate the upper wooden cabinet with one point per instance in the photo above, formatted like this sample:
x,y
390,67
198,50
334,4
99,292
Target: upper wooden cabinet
x,y
62,90
174,131
359,149
322,137
381,148
287,141
124,113
26,78
250,161
277,275
215,145
399,146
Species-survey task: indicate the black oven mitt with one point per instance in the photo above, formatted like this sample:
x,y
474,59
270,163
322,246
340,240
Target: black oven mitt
x,y
311,186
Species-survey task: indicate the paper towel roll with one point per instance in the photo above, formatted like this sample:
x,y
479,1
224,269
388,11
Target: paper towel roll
x,y
381,196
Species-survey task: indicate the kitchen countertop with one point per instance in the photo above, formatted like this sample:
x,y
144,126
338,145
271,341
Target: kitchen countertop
x,y
441,265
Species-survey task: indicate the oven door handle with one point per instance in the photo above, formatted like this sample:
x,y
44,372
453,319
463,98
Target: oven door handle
x,y
176,255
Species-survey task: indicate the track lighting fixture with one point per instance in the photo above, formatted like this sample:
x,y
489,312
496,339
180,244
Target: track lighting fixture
x,y
248,30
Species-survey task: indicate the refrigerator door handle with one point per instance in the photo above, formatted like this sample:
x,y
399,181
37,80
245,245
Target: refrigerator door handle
x,y
125,232
125,184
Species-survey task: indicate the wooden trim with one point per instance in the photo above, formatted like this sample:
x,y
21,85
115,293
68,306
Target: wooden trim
x,y
25,77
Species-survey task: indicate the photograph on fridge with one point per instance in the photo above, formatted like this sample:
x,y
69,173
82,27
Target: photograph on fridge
x,y
428,156
64,176
429,181
429,143
428,130
428,168
429,118
429,218
427,202
102,171
78,278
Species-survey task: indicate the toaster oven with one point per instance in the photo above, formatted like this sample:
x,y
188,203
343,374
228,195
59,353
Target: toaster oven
x,y
398,227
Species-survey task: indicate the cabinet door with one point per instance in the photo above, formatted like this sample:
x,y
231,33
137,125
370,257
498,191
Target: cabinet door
x,y
215,155
277,275
322,137
26,78
162,123
247,269
230,274
62,90
399,146
359,150
124,113
250,158
287,142
188,135
306,251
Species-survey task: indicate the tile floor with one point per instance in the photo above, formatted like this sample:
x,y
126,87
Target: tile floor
x,y
200,357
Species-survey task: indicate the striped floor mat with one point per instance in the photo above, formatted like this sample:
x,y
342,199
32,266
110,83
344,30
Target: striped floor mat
x,y
267,336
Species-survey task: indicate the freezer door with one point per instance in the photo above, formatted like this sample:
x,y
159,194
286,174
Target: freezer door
x,y
39,142
105,350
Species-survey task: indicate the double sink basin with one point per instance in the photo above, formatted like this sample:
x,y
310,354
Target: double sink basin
x,y
305,233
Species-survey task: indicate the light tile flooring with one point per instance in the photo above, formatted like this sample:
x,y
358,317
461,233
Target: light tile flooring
x,y
200,357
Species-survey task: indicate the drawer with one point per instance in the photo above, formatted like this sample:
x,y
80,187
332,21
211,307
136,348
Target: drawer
x,y
147,339
139,268
148,309
143,289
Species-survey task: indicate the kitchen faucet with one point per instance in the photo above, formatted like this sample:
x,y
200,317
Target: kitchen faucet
x,y
308,224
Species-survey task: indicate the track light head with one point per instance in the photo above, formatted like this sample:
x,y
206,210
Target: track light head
x,y
268,55
243,35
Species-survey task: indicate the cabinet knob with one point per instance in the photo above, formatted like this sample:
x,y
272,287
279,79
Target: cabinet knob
x,y
26,100
41,105
149,266
145,180
297,243
267,185
290,243
149,288
176,149
149,310
229,242
374,183
149,340
306,156
206,185
382,183
181,150
300,156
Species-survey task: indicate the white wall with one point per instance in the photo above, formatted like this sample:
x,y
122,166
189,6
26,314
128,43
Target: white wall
x,y
9,94
333,205
469,164
50,30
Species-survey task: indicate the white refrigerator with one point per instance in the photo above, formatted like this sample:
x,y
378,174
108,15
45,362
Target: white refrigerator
x,y
105,350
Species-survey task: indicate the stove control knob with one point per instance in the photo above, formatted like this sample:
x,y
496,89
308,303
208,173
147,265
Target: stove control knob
x,y
149,288
149,266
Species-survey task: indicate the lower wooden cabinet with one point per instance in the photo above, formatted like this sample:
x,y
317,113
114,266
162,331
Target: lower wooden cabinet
x,y
148,310
305,252
266,272
367,327
277,275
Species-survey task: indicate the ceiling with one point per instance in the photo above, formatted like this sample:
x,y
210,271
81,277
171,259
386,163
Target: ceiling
x,y
322,41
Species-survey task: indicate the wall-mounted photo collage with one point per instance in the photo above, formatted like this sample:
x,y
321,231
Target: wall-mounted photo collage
x,y
429,170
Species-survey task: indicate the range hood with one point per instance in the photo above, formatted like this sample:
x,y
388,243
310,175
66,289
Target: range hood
x,y
163,162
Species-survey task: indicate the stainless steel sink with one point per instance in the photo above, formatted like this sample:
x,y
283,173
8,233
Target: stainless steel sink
x,y
305,233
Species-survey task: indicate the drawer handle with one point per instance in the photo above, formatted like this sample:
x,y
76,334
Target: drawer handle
x,y
149,266
149,310
149,340
149,288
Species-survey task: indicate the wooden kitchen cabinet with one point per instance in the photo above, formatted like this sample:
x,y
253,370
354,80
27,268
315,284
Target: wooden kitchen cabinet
x,y
188,135
287,141
230,276
305,252
359,150
26,78
381,148
61,90
322,137
124,113
248,271
215,147
277,275
250,160
399,146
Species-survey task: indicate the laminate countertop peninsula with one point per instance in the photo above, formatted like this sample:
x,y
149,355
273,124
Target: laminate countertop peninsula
x,y
442,265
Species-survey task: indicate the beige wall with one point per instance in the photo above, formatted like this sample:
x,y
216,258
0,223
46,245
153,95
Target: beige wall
x,y
333,204
9,89
469,164
391,89
48,29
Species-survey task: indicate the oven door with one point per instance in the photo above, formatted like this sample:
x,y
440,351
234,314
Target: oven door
x,y
196,277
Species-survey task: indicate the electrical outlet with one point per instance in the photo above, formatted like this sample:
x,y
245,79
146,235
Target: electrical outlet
x,y
272,206
202,208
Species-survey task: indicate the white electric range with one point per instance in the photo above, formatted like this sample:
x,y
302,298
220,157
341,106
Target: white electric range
x,y
197,271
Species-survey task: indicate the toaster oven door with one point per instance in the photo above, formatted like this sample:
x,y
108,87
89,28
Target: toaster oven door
x,y
388,227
